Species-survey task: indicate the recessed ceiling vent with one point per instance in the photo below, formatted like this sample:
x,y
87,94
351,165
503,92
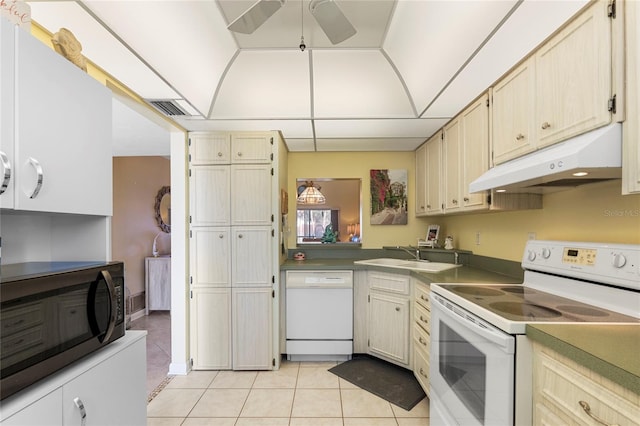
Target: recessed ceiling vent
x,y
171,107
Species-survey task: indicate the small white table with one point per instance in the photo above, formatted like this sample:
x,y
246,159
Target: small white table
x,y
157,284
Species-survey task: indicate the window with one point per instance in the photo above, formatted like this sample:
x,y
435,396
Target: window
x,y
311,223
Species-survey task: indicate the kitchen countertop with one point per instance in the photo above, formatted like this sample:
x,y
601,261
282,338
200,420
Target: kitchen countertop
x,y
462,274
609,350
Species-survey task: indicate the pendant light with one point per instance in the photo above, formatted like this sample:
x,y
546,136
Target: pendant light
x,y
311,195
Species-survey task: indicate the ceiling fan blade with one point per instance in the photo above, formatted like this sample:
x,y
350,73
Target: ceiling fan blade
x,y
255,16
332,21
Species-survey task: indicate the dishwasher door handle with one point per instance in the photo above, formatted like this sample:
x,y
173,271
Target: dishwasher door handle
x,y
325,286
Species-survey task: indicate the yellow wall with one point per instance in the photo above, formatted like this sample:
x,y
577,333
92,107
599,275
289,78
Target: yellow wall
x,y
313,165
595,212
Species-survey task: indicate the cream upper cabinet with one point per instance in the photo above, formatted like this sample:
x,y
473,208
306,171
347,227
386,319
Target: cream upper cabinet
x,y
451,155
209,148
466,156
513,110
573,77
434,174
475,152
421,181
565,392
631,126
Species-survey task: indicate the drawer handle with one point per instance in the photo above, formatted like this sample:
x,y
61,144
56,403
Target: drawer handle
x,y
423,342
83,413
424,320
545,125
426,299
519,137
6,165
422,373
587,409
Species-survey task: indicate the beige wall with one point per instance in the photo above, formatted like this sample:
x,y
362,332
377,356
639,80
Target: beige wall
x,y
595,212
136,181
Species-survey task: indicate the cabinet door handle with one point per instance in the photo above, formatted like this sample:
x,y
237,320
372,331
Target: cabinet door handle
x,y
397,308
40,176
466,199
454,201
545,125
239,154
6,165
428,206
219,154
587,409
83,413
221,236
240,235
519,137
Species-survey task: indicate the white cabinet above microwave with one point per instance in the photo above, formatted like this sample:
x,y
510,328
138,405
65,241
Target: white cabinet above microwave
x,y
56,131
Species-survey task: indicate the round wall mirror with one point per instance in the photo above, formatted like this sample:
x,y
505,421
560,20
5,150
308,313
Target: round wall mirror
x,y
163,209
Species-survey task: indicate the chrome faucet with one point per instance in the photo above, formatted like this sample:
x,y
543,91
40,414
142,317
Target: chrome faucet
x,y
455,258
415,254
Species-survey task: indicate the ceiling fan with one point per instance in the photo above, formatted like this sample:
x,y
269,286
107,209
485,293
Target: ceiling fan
x,y
326,12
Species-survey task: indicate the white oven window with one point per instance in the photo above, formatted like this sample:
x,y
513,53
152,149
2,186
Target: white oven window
x,y
464,368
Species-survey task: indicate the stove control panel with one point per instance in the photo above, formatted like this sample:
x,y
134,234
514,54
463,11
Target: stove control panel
x,y
617,264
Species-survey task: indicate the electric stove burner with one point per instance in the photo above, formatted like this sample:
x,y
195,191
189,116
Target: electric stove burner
x,y
517,289
583,310
526,310
478,291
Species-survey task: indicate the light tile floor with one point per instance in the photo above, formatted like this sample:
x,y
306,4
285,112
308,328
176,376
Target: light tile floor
x,y
298,394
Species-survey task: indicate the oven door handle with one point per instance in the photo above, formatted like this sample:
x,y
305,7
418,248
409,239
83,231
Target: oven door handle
x,y
505,341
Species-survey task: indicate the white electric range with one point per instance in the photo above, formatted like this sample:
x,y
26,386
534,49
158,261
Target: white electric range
x,y
480,357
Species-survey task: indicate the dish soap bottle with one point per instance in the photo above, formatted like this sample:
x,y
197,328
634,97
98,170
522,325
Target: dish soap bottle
x,y
448,243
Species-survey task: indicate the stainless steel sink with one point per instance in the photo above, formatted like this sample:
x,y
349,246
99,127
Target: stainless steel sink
x,y
414,265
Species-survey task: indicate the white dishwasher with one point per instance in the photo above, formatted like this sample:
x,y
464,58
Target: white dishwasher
x,y
319,315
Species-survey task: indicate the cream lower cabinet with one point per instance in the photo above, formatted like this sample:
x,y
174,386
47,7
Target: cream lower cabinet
x,y
388,317
567,393
211,328
251,324
421,332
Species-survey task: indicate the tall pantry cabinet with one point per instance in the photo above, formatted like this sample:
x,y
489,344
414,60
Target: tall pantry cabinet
x,y
233,250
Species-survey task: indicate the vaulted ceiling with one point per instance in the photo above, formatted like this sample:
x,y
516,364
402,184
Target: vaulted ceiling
x,y
411,66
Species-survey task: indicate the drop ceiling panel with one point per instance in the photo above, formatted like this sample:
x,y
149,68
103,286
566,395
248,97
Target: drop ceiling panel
x,y
529,26
357,84
265,84
402,128
300,145
101,47
428,41
283,29
186,42
289,128
369,144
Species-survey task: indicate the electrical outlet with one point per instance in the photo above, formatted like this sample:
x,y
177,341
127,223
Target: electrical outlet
x,y
478,238
531,236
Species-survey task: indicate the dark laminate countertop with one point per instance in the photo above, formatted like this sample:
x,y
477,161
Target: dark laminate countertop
x,y
613,351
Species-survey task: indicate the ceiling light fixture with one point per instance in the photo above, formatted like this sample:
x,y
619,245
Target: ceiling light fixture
x,y
302,45
311,195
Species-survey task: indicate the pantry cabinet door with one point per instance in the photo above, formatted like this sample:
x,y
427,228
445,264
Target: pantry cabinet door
x,y
252,328
209,195
210,260
209,148
62,134
211,328
251,259
253,148
251,194
573,77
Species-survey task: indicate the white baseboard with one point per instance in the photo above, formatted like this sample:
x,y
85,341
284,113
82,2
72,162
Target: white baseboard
x,y
179,369
137,315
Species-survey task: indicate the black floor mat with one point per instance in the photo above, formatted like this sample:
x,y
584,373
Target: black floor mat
x,y
391,382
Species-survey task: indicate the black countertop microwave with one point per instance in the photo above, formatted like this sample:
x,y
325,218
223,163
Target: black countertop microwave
x,y
54,313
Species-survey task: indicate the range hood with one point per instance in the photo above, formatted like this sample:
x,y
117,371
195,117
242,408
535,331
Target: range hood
x,y
597,153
